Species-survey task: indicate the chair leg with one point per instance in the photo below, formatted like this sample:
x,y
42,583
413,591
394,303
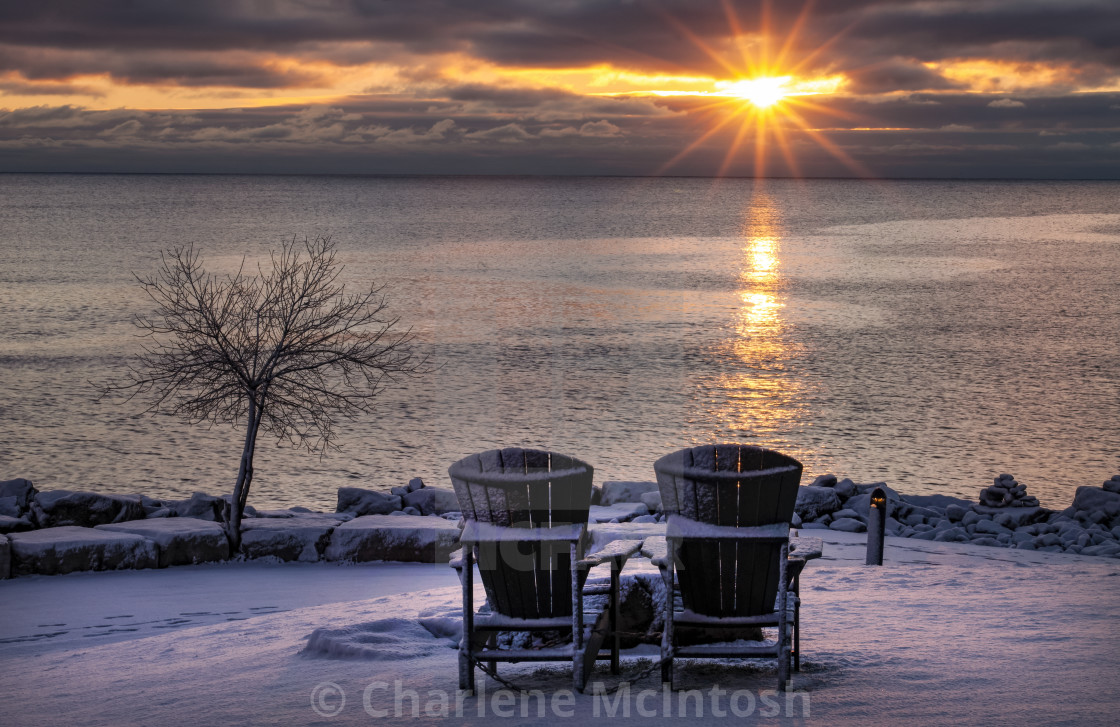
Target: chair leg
x,y
466,673
615,618
797,635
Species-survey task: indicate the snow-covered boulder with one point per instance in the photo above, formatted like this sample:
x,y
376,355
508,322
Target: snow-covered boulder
x,y
303,538
9,507
1013,517
617,491
201,507
51,551
56,508
813,502
604,533
5,558
21,489
956,513
936,502
848,525
618,512
1090,500
181,541
652,500
431,500
824,481
358,502
868,489
388,639
385,537
14,524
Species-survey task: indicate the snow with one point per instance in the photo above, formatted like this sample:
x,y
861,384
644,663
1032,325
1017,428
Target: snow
x,y
944,633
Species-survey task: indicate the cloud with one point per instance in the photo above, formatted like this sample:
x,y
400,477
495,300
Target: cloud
x,y
1006,103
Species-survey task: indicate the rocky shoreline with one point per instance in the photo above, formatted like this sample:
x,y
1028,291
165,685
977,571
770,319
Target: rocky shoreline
x,y
61,531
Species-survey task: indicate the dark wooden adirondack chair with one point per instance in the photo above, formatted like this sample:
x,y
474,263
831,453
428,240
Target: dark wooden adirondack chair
x,y
727,540
526,526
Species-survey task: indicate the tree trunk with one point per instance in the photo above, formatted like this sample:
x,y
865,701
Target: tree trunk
x,y
244,478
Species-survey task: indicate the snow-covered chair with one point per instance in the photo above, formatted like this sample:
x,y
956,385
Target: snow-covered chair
x,y
525,515
729,510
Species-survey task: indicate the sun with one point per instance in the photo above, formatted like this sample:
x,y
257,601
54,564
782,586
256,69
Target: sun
x,y
761,92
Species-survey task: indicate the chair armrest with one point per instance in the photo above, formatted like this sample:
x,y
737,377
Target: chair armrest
x,y
806,548
616,553
457,560
657,550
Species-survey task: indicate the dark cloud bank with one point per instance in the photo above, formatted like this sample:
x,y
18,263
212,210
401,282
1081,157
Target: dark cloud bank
x,y
898,117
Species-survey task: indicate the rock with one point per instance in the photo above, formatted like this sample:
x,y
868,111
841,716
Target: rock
x,y
845,488
1094,500
1013,517
455,516
408,511
65,549
57,508
918,514
847,513
813,502
936,502
415,484
302,539
991,542
621,511
1112,485
652,501
9,507
202,507
5,558
892,526
795,521
21,489
596,495
825,481
15,525
645,519
399,491
970,518
431,500
955,513
615,492
814,526
181,541
358,502
402,538
848,525
930,534
951,535
991,528
868,489
923,528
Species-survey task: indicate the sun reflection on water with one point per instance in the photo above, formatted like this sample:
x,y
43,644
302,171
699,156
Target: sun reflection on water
x,y
755,396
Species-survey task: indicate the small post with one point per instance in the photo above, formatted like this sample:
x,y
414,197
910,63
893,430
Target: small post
x,y
876,526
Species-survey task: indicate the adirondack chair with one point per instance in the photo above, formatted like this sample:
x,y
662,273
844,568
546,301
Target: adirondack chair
x,y
526,528
729,510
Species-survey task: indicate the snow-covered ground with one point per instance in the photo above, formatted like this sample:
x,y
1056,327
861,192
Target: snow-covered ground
x,y
942,634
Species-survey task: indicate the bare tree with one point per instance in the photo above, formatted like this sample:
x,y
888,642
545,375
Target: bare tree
x,y
287,351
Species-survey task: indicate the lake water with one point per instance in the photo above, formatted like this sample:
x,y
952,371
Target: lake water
x,y
929,334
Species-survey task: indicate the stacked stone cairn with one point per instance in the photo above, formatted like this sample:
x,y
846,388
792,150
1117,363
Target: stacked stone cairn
x,y
1007,492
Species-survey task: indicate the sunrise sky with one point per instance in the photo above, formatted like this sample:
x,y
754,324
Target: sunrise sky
x,y
874,88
